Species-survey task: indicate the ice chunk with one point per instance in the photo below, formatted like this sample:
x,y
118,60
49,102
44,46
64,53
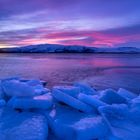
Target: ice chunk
x,y
91,128
60,120
111,137
22,126
51,136
70,90
34,82
38,102
38,86
65,122
1,92
69,100
39,89
16,88
2,103
115,111
110,96
126,94
90,100
123,126
135,110
85,88
136,102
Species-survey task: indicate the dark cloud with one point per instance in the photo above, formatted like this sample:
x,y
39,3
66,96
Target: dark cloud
x,y
129,30
78,7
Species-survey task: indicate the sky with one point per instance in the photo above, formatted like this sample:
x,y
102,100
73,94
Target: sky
x,y
97,23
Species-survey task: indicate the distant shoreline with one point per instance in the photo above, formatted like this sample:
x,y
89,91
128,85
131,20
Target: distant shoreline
x,y
56,48
72,52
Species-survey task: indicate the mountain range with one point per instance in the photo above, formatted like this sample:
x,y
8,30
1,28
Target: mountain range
x,y
56,48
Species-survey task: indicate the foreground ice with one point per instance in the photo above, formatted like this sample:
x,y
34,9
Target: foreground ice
x,y
14,87
126,94
38,102
110,96
70,90
71,124
69,100
123,121
22,126
29,111
86,89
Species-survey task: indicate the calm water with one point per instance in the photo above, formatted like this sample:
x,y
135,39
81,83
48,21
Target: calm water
x,y
99,70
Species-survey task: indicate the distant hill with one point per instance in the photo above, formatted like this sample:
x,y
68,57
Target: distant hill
x,y
55,48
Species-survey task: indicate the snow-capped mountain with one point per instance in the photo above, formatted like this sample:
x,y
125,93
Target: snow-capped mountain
x,y
55,48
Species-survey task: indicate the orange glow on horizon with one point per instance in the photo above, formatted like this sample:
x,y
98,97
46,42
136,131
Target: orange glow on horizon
x,y
6,46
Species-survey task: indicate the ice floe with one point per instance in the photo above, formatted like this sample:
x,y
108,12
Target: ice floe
x,y
2,102
70,124
30,111
123,121
126,94
110,96
22,126
70,90
90,100
71,101
1,91
16,88
37,102
85,88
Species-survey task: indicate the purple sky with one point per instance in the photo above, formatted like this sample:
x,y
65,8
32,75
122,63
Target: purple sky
x,y
99,23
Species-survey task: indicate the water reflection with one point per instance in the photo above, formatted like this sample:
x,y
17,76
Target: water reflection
x,y
99,70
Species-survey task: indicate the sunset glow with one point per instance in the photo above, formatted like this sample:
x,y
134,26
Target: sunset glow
x,y
70,22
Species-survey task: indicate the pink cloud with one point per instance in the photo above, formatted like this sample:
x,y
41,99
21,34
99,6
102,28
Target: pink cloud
x,y
105,38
